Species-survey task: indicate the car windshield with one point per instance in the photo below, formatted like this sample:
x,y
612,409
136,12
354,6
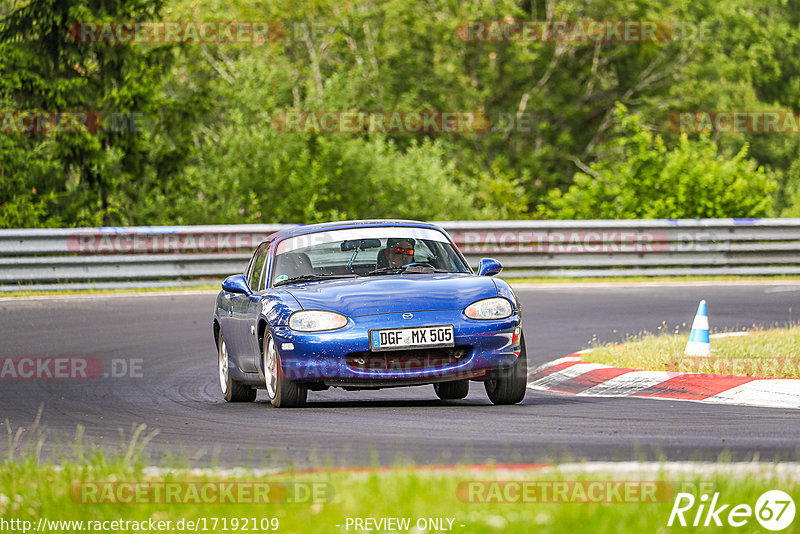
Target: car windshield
x,y
363,252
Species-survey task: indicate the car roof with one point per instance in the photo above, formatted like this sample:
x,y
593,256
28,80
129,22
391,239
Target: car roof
x,y
341,225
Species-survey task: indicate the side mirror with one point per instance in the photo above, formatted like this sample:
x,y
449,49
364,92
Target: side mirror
x,y
236,284
489,267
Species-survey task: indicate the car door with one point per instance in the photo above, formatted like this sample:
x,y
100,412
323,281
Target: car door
x,y
227,321
250,353
238,333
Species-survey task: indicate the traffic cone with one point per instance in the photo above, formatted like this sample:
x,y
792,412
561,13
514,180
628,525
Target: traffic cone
x,y
699,344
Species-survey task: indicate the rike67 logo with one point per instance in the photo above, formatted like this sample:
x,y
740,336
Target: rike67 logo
x,y
774,510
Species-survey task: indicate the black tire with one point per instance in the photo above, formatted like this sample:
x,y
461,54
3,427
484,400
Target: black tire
x,y
232,391
509,385
282,392
458,389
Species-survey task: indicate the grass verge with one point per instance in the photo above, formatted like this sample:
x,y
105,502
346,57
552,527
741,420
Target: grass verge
x,y
98,489
512,281
68,292
653,279
762,354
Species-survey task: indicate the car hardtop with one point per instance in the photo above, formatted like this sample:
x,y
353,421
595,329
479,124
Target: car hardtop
x,y
293,231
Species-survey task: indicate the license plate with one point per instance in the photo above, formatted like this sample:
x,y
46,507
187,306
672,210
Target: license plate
x,y
410,338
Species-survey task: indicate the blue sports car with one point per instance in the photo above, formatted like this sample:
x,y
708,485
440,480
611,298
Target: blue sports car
x,y
367,305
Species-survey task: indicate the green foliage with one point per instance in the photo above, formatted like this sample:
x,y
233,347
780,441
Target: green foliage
x,y
643,179
792,191
83,177
25,178
497,194
208,153
312,179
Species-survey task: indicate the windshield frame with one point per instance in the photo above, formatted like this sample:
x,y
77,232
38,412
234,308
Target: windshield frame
x,y
323,236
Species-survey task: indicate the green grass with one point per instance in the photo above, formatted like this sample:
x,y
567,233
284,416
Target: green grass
x,y
638,279
763,354
31,489
512,281
68,292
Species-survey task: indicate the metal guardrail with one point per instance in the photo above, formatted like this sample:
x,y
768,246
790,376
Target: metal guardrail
x,y
170,255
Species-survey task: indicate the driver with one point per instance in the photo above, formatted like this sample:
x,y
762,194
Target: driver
x,y
400,251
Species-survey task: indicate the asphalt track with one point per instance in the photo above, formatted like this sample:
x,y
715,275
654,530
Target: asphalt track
x,y
178,394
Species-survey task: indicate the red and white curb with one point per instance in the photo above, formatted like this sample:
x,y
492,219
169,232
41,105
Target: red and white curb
x,y
573,376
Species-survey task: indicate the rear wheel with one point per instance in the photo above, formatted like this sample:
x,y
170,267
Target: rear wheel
x,y
232,391
508,386
282,392
458,389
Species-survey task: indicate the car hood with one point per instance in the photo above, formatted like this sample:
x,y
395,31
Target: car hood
x,y
394,293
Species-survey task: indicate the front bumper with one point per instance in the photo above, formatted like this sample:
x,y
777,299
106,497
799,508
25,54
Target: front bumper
x,y
343,358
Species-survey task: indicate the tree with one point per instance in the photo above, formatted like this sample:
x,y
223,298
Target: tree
x,y
210,153
640,178
89,174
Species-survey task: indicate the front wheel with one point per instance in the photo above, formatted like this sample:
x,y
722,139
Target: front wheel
x,y
283,393
456,389
232,391
508,386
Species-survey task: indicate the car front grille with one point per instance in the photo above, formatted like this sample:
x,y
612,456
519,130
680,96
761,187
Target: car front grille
x,y
408,359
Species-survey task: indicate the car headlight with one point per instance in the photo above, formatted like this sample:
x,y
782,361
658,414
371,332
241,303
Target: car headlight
x,y
493,308
316,321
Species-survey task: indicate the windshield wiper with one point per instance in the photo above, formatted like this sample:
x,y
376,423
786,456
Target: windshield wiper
x,y
418,268
386,270
311,278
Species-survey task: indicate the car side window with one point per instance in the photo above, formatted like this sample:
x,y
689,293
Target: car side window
x,y
248,273
262,277
258,266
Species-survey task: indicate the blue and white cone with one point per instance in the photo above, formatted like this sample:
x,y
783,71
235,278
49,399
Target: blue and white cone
x,y
699,343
